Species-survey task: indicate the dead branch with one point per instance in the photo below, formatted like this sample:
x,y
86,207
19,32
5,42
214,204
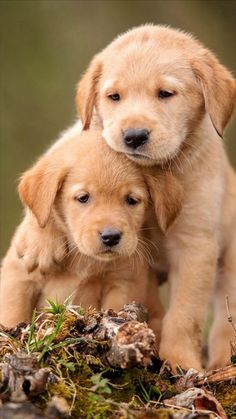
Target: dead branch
x,y
227,373
195,379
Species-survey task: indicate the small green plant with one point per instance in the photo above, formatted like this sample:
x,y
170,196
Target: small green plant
x,y
98,406
56,308
101,385
149,393
71,366
48,341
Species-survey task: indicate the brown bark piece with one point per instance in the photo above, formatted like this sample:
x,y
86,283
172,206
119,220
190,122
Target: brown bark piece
x,y
134,311
57,409
22,376
133,344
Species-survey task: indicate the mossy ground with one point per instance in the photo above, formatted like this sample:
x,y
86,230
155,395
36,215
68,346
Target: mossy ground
x,y
81,374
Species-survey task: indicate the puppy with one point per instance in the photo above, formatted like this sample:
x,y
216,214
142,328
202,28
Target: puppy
x,y
94,200
164,100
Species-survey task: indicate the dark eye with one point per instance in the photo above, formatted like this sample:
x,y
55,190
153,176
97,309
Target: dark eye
x,y
130,200
114,96
83,198
163,94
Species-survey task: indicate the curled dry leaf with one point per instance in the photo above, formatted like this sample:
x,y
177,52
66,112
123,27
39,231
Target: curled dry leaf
x,y
199,399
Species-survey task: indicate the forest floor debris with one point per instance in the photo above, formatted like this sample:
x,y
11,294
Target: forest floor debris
x,y
71,363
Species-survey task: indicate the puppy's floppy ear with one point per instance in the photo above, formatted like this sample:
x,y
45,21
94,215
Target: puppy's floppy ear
x,y
39,185
87,91
166,194
219,88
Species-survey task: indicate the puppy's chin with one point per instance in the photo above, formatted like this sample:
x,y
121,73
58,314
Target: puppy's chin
x,y
106,256
146,161
141,160
152,154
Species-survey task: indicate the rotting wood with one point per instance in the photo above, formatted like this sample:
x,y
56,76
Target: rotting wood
x,y
195,379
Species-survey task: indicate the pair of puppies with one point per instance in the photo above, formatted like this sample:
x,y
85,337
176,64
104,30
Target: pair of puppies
x,y
163,100
91,203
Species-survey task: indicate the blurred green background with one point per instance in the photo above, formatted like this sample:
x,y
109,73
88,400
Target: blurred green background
x,y
47,44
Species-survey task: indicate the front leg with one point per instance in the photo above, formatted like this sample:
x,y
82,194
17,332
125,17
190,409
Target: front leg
x,y
192,273
222,332
40,248
18,291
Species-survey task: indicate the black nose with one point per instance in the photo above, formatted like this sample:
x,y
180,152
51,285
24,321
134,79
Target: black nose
x,y
135,137
110,237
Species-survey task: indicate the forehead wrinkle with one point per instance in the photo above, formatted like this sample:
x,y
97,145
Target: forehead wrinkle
x,y
172,81
112,185
146,53
77,187
138,70
108,84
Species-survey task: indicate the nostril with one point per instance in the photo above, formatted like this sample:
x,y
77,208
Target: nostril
x,y
110,237
128,139
135,137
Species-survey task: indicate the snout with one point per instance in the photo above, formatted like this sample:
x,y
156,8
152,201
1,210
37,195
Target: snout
x,y
135,137
110,237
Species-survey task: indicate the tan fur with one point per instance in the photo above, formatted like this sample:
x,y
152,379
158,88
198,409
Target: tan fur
x,y
183,140
54,215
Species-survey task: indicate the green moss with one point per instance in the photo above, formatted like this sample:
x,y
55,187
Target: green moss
x,y
226,395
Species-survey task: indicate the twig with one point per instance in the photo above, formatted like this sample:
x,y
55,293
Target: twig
x,y
230,318
223,374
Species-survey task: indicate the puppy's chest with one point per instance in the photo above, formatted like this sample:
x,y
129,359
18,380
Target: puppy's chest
x,y
86,268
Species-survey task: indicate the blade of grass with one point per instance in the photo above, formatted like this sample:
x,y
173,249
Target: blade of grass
x,y
32,330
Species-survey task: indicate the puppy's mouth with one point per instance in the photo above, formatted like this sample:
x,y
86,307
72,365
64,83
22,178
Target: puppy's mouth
x,y
137,155
141,158
107,254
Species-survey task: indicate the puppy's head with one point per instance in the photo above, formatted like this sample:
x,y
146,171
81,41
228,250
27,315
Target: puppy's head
x,y
97,197
103,202
151,87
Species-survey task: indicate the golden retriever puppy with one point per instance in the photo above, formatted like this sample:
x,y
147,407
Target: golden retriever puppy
x,y
93,201
164,100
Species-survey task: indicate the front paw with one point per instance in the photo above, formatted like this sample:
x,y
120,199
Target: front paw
x,y
41,250
180,345
179,356
220,356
